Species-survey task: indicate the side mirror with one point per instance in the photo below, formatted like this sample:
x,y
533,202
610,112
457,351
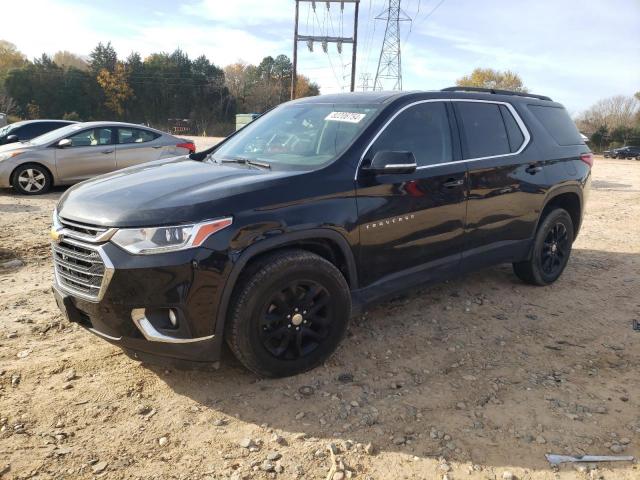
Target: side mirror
x,y
65,142
393,162
11,139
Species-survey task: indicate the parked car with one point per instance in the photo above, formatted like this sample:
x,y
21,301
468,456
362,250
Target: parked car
x,y
81,151
28,129
627,152
272,239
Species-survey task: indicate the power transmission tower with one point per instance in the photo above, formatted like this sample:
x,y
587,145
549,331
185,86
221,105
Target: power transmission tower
x,y
365,78
325,40
390,62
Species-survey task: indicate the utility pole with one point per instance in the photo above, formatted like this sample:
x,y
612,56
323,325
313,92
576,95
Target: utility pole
x,y
390,61
324,40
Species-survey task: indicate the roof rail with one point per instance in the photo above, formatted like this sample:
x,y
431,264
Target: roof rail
x,y
495,91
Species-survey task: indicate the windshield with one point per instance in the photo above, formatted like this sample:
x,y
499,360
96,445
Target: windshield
x,y
63,132
298,136
6,129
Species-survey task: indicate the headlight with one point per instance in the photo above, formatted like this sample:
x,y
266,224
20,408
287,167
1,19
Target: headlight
x,y
148,240
8,155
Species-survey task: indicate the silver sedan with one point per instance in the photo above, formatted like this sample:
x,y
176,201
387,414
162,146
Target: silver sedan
x,y
81,151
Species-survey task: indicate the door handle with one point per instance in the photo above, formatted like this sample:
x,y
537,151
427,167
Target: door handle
x,y
453,182
533,169
158,146
106,151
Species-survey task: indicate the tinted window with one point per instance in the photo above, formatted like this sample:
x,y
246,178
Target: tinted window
x,y
557,122
516,138
135,135
91,138
422,129
484,131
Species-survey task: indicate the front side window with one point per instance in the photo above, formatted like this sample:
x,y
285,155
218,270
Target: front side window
x,y
135,135
93,137
422,129
302,136
484,131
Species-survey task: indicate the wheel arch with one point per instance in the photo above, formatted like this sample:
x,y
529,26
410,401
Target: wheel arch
x,y
15,171
569,199
327,243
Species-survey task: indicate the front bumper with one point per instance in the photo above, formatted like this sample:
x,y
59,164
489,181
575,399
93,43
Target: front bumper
x,y
188,282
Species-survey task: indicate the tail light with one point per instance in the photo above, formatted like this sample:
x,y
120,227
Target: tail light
x,y
188,145
587,158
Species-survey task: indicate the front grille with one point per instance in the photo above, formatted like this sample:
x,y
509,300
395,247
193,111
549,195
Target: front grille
x,y
79,268
88,232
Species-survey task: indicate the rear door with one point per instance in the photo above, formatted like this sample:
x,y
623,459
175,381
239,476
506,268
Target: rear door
x,y
506,186
137,145
92,153
413,223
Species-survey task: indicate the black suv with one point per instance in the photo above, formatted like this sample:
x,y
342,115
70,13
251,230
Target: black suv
x,y
272,239
29,129
627,152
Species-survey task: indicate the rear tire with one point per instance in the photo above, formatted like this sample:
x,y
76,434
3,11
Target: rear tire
x,y
289,312
31,179
551,250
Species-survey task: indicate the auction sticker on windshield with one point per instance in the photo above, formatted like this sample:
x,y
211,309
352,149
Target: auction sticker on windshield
x,y
348,117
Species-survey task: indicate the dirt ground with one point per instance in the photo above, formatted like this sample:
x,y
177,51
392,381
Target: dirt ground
x,y
476,378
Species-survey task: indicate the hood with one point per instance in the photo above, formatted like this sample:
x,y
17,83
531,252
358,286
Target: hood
x,y
15,146
163,193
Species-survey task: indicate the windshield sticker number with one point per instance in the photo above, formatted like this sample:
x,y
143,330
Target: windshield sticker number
x,y
348,117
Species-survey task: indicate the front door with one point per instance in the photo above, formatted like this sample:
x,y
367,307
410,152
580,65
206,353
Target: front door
x,y
413,223
91,153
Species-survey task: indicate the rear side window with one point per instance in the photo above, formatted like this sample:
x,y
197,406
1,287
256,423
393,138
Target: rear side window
x,y
94,137
422,129
516,138
557,122
135,135
484,130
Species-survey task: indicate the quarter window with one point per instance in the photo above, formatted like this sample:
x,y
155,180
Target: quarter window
x,y
422,129
516,138
135,135
484,130
93,137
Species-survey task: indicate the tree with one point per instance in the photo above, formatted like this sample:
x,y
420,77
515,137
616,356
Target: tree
x,y
103,57
7,104
613,113
116,88
306,88
490,78
67,59
10,58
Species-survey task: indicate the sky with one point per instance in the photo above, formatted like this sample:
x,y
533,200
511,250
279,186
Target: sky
x,y
575,51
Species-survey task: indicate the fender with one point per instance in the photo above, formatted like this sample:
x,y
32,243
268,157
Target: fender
x,y
559,190
271,244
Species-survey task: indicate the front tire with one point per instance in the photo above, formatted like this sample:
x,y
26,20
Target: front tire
x,y
288,313
551,250
31,179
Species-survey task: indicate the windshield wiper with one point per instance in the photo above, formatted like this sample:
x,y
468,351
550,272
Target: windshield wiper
x,y
245,161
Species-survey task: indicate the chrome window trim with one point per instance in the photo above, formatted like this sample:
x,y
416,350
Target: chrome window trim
x,y
516,116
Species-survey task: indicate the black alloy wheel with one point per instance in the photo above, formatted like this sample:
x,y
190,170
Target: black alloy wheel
x,y
289,311
555,249
551,250
296,320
